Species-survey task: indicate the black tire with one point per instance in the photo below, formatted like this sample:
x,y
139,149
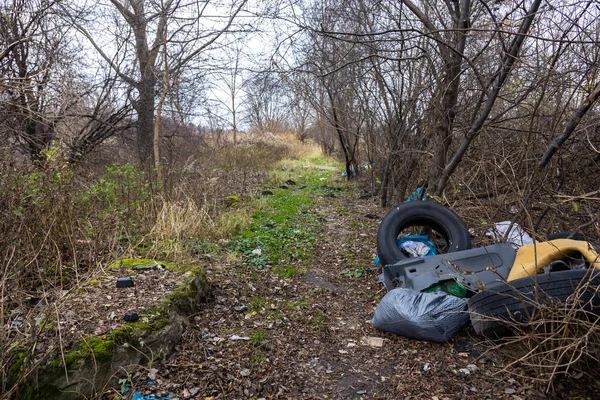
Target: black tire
x,y
420,213
493,309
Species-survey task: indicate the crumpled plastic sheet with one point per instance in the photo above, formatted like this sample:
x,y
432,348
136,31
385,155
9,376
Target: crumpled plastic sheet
x,y
419,250
434,317
415,249
517,236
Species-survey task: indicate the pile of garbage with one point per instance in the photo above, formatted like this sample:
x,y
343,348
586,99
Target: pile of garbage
x,y
437,284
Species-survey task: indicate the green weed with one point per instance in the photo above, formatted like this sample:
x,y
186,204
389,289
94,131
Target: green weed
x,y
258,338
354,273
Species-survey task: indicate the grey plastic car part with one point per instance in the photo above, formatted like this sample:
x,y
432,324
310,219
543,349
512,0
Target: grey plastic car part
x,y
474,268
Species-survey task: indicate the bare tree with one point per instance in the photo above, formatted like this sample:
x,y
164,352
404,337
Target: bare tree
x,y
229,85
266,101
32,45
152,40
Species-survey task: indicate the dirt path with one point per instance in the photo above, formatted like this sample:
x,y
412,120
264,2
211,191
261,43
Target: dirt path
x,y
308,335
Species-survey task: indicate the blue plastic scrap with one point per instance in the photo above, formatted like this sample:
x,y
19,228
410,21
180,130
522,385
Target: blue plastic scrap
x,y
140,396
417,194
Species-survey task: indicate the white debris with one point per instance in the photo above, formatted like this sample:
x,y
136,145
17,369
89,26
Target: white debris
x,y
415,249
517,236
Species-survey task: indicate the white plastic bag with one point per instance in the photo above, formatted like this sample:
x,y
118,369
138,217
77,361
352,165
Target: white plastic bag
x,y
517,236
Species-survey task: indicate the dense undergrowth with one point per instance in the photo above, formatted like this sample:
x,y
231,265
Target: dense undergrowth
x,y
248,204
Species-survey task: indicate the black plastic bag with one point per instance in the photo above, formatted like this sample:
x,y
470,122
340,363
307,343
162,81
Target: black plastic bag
x,y
434,317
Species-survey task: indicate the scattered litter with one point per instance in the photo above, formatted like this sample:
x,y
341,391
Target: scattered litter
x,y
372,341
435,317
517,236
472,367
257,251
212,338
240,308
245,372
144,267
426,367
236,337
152,373
125,282
351,344
361,392
464,372
342,352
131,317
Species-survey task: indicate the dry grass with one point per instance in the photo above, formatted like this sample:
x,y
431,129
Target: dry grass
x,y
181,220
61,225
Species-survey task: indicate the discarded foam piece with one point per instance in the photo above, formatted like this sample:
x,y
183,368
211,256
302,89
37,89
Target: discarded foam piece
x,y
125,282
372,341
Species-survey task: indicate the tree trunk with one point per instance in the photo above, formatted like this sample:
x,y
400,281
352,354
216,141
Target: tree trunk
x,y
443,121
145,124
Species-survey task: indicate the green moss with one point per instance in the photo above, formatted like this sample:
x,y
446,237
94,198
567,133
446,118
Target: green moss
x,y
134,331
90,348
232,201
189,294
47,391
50,325
15,368
129,263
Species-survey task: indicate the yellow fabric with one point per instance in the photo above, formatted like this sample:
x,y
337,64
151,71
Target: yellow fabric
x,y
532,259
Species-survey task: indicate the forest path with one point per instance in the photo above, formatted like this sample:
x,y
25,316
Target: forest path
x,y
309,334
